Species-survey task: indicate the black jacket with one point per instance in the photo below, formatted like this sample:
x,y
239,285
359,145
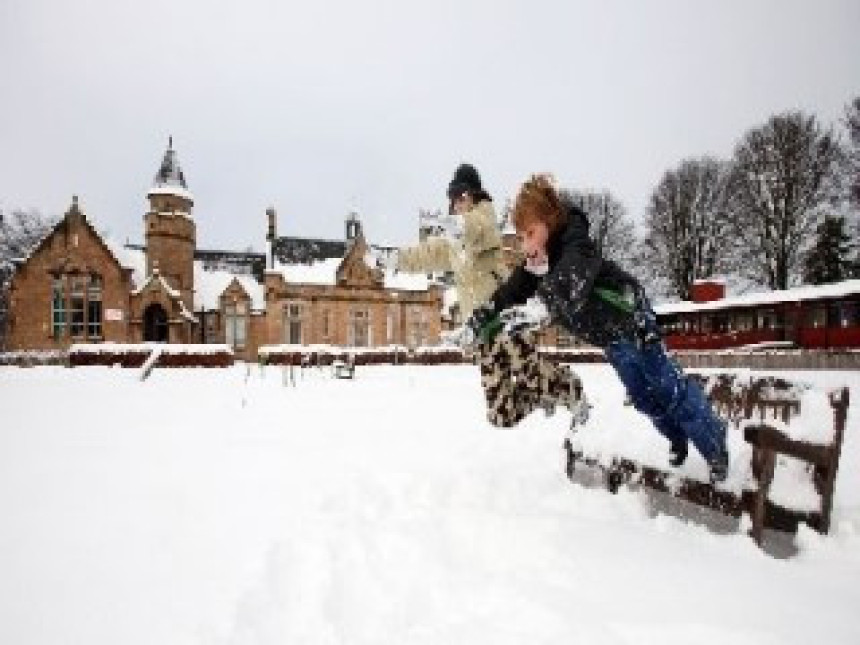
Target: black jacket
x,y
575,288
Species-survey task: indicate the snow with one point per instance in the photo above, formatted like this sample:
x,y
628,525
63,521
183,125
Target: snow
x,y
322,272
133,259
171,188
157,277
835,290
209,285
223,507
406,281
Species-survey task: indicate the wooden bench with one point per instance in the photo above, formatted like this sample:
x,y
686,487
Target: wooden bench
x,y
769,413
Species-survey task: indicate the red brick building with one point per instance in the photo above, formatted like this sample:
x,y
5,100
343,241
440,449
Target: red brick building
x,y
75,287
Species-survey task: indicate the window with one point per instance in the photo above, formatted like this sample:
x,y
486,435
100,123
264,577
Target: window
x,y
744,321
418,327
236,322
359,328
293,317
77,297
769,319
816,317
669,324
719,323
850,314
58,308
211,328
326,324
76,307
392,323
94,307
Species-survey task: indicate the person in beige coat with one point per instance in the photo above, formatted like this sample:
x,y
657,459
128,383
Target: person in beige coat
x,y
476,257
516,379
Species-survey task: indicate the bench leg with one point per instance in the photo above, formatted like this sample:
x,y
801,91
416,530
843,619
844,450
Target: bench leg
x,y
766,461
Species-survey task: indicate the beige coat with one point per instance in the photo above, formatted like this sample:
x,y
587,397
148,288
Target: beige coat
x,y
475,259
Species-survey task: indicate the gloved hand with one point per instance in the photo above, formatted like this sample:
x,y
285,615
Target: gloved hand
x,y
483,324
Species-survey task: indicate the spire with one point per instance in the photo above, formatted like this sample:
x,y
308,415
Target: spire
x,y
170,180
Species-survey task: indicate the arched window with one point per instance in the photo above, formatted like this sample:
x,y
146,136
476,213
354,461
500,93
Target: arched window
x,y
236,324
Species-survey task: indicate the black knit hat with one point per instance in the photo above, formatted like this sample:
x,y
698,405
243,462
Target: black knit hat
x,y
466,180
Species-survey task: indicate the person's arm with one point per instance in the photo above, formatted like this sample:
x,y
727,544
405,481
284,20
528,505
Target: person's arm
x,y
519,287
566,288
433,254
480,235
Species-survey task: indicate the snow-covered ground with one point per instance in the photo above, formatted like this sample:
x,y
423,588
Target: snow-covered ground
x,y
223,507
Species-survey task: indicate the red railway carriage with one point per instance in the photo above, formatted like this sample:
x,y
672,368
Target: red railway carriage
x,y
820,317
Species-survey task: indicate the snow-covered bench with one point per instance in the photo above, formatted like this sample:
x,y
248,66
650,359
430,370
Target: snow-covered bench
x,y
782,471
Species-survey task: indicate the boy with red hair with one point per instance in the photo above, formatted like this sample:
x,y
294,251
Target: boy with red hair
x,y
604,305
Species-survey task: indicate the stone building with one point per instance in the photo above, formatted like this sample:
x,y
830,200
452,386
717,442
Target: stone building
x,y
77,287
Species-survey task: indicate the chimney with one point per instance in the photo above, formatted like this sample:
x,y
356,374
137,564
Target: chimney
x,y
707,290
353,227
271,234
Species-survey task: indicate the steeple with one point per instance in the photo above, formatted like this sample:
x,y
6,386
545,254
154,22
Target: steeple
x,y
170,180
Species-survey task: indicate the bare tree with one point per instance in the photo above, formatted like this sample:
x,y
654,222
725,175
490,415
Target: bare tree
x,y
688,225
20,231
783,171
609,225
852,124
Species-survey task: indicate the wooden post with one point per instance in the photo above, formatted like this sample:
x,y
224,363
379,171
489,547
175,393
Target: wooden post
x,y
764,460
839,401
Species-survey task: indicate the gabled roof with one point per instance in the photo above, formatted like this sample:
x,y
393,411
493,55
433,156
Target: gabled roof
x,y
74,211
175,296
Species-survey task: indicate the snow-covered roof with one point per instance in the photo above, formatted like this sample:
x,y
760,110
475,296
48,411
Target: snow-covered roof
x,y
209,285
129,258
324,273
321,272
836,290
157,277
170,180
406,281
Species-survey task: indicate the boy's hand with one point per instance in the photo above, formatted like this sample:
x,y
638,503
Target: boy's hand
x,y
481,327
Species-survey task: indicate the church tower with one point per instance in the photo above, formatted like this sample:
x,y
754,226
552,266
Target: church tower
x,y
171,234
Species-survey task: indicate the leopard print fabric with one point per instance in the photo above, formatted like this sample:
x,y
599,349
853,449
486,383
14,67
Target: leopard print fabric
x,y
516,379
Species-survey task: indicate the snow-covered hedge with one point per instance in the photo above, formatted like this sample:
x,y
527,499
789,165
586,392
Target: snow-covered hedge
x,y
135,354
399,355
32,358
388,355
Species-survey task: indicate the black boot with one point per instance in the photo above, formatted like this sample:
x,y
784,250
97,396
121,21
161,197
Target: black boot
x,y
719,466
678,453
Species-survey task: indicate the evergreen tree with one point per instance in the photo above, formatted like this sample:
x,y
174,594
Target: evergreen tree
x,y
829,260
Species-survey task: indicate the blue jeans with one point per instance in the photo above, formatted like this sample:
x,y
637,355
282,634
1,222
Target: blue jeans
x,y
676,405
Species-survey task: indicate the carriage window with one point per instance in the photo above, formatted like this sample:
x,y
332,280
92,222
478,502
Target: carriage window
x,y
769,319
816,317
848,315
744,321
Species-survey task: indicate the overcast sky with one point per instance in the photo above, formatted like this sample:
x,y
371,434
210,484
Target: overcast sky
x,y
321,107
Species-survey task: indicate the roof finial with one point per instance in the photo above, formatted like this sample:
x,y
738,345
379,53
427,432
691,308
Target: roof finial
x,y
170,142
